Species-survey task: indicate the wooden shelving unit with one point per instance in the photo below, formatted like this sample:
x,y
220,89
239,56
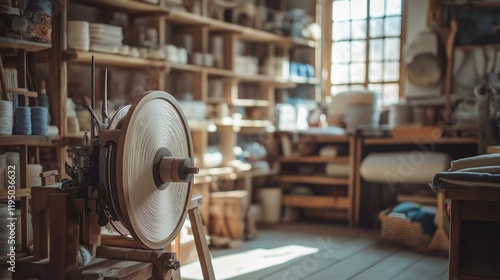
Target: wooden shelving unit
x,y
332,193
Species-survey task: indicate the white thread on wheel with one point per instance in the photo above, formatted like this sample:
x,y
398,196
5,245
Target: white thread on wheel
x,y
153,216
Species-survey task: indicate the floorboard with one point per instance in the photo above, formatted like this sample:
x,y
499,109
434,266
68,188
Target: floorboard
x,y
320,251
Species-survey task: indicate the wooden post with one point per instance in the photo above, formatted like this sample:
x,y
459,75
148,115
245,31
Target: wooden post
x,y
200,239
41,220
63,236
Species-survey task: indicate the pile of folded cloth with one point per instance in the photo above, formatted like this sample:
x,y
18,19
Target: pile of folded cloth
x,y
473,172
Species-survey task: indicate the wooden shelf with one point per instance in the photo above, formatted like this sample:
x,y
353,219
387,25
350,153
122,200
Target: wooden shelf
x,y
312,179
243,123
258,78
304,81
205,125
321,202
109,59
126,6
250,103
11,43
184,67
409,141
315,159
301,42
23,192
28,140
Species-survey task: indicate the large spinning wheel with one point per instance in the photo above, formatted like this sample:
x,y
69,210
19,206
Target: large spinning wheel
x,y
147,171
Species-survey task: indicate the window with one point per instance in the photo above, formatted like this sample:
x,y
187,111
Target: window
x,y
365,50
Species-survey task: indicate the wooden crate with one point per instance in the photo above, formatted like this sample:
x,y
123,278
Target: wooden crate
x,y
227,214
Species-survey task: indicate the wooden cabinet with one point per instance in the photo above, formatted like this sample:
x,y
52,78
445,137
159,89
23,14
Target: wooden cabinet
x,y
308,177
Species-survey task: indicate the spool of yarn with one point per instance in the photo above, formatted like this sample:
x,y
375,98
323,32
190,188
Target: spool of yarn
x,y
6,117
12,158
33,175
39,120
337,170
73,125
3,167
22,121
399,114
53,130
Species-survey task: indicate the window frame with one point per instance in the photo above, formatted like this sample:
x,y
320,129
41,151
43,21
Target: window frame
x,y
328,43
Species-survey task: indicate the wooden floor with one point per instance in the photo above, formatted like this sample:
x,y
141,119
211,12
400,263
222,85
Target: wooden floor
x,y
328,252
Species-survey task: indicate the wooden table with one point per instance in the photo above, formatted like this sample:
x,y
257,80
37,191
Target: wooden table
x,y
474,233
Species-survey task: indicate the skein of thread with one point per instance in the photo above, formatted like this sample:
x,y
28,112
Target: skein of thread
x,y
6,118
12,158
39,121
33,175
22,121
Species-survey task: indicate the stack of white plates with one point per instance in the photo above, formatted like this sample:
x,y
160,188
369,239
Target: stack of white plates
x,y
78,35
105,37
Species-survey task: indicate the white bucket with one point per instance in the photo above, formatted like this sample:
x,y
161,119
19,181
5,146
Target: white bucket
x,y
270,200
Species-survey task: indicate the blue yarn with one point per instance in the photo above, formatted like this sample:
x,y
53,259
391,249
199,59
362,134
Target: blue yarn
x,y
22,121
39,120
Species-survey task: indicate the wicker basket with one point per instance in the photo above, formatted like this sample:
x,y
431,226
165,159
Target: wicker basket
x,y
400,230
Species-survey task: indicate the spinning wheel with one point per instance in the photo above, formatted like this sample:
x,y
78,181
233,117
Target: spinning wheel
x,y
135,174
147,179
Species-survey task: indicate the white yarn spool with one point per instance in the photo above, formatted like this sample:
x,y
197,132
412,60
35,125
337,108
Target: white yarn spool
x,y
152,215
73,125
329,151
337,169
399,114
212,158
12,158
6,117
33,175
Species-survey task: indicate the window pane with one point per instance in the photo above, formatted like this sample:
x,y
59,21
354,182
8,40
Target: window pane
x,y
358,49
377,88
391,71
390,94
377,27
359,29
338,89
392,26
375,74
358,9
341,52
391,49
341,30
377,49
340,73
340,10
357,72
393,7
376,8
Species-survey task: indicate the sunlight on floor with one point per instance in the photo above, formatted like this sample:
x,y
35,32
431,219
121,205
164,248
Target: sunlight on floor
x,y
238,264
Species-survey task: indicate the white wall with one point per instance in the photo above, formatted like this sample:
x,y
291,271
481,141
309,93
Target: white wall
x,y
417,16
